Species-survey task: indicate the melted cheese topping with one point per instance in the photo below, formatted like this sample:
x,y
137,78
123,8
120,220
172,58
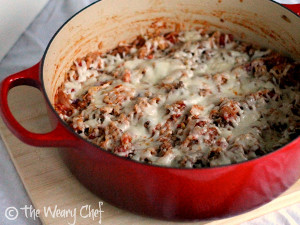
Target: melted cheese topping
x,y
182,100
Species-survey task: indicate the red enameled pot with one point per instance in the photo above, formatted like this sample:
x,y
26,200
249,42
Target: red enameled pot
x,y
166,193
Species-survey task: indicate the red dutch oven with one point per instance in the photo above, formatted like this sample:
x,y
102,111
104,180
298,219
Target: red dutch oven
x,y
161,192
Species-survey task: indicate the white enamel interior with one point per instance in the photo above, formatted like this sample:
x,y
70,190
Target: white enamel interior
x,y
110,21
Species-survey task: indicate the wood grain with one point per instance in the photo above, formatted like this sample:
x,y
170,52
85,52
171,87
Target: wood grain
x,y
49,183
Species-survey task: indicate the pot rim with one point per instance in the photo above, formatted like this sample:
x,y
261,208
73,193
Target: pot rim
x,y
260,158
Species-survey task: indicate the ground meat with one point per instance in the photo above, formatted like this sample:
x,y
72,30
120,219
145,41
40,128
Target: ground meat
x,y
183,99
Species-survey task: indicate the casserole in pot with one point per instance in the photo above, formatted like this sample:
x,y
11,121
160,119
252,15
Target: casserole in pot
x,y
167,193
188,99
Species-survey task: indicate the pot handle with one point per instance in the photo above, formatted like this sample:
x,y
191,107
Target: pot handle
x,y
293,7
59,137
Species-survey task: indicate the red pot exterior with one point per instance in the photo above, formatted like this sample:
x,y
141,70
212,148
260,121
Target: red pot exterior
x,y
160,192
185,194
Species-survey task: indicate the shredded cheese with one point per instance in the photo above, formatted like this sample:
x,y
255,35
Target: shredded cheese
x,y
187,99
